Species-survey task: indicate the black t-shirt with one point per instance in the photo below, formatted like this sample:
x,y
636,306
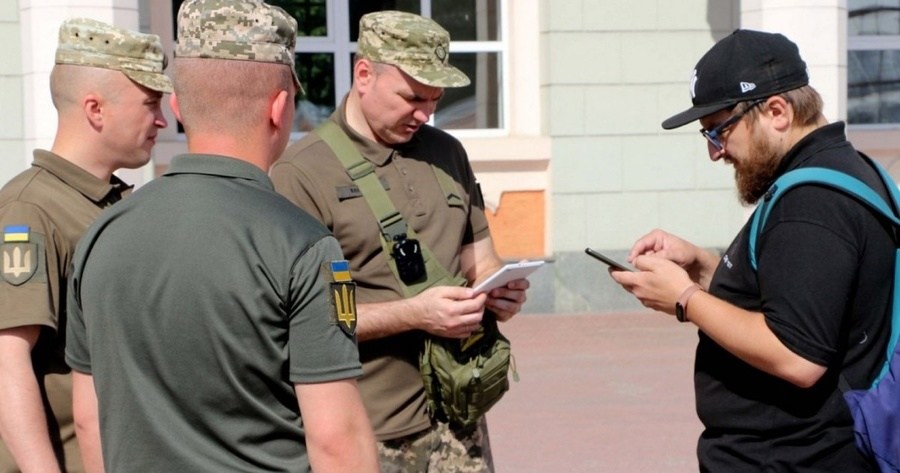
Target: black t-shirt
x,y
824,285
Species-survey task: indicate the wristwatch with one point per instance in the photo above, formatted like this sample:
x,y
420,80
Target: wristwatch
x,y
682,302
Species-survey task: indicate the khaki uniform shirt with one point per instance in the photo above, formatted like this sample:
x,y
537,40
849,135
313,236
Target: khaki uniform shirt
x,y
311,176
43,213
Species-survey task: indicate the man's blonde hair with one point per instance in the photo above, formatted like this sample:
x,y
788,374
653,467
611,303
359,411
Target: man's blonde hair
x,y
806,102
224,95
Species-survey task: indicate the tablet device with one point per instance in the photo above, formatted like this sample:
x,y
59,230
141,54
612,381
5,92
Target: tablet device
x,y
617,265
509,272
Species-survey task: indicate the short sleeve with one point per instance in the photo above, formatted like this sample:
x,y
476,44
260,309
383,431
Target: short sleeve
x,y
78,355
319,349
29,275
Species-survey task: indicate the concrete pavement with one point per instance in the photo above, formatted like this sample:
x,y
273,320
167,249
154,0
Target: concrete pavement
x,y
598,393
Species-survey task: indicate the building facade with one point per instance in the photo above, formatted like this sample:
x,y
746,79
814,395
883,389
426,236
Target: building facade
x,y
562,120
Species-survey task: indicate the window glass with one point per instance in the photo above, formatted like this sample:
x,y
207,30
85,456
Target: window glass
x,y
873,71
873,17
478,104
873,87
358,8
468,20
310,15
316,72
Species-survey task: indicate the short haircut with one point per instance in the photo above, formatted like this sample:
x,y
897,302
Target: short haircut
x,y
225,95
806,102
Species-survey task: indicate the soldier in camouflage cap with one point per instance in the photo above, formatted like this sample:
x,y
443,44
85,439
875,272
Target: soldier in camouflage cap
x,y
87,42
399,77
272,385
106,85
242,30
417,45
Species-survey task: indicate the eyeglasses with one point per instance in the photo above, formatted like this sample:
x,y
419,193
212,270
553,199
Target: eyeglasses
x,y
714,134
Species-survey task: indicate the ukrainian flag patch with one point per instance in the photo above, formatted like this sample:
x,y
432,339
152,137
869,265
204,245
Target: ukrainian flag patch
x,y
343,296
340,271
15,234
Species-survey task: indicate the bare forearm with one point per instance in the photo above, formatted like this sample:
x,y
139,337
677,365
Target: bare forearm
x,y
339,437
445,311
747,336
23,421
354,450
383,319
87,421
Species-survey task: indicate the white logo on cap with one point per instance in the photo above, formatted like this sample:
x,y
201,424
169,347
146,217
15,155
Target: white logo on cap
x,y
747,87
694,84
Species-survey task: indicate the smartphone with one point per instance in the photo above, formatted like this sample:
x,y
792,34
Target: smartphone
x,y
611,262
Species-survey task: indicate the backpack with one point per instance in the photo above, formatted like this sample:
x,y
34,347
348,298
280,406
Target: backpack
x,y
876,410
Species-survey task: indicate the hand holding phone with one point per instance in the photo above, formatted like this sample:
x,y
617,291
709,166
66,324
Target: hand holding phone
x,y
618,266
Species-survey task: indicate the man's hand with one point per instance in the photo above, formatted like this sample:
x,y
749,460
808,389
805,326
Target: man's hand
x,y
452,312
507,301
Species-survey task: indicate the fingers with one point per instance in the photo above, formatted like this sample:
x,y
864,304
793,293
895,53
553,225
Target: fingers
x,y
465,330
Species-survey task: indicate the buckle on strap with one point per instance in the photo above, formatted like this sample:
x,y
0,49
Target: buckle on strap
x,y
393,225
360,169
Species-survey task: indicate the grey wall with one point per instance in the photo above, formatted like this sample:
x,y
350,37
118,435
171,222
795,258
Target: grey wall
x,y
612,70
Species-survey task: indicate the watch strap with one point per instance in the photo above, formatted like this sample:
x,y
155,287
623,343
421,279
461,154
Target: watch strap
x,y
682,302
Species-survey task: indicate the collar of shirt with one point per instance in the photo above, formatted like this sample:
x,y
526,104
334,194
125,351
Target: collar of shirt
x,y
375,153
95,189
216,165
808,146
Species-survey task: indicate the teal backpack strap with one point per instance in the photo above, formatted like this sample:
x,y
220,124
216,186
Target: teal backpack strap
x,y
822,176
390,221
855,188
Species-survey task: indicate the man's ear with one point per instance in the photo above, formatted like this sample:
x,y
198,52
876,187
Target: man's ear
x,y
780,112
278,108
176,109
92,105
363,73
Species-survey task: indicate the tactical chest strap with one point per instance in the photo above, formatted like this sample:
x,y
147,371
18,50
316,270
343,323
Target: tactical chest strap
x,y
390,220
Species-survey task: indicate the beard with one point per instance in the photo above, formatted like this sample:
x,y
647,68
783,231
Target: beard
x,y
755,174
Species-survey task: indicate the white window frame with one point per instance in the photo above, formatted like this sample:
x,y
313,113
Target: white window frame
x,y
338,13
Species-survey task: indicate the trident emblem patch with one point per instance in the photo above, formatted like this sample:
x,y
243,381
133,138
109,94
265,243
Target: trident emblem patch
x,y
343,295
19,262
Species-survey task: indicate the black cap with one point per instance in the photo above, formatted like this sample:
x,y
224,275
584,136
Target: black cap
x,y
746,65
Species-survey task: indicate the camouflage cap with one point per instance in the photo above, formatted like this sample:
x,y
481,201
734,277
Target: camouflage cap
x,y
242,30
416,45
87,42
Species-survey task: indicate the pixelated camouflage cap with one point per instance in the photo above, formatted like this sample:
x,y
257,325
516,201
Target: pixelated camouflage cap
x,y
241,30
415,44
87,42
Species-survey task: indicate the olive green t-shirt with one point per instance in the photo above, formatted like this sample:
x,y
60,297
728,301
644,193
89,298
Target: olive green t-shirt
x,y
311,176
197,304
43,213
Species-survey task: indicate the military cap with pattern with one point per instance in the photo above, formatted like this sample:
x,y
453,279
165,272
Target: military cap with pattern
x,y
417,45
87,42
242,30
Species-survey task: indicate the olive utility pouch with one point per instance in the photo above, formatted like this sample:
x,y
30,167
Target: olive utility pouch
x,y
465,378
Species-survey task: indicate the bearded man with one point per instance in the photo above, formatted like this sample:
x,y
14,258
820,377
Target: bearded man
x,y
775,342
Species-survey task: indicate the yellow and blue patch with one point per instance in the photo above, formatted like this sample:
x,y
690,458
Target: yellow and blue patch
x,y
343,296
20,254
340,271
15,234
